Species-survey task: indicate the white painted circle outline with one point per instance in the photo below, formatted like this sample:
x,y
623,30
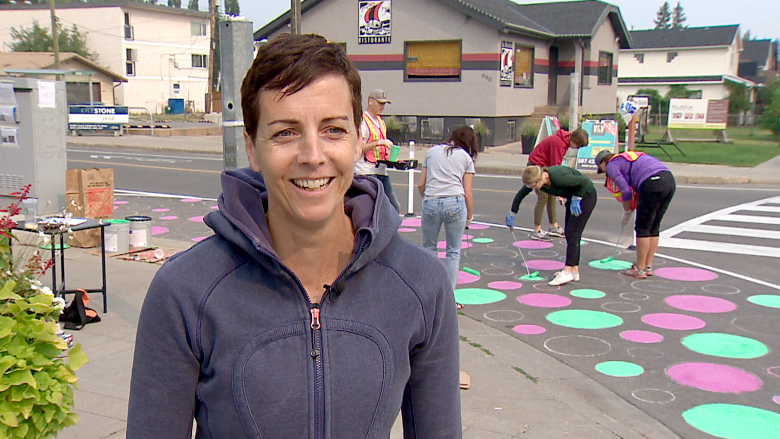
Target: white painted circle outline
x,y
654,402
609,346
485,315
638,308
632,292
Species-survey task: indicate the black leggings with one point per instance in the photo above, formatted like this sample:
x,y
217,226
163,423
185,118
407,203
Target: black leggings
x,y
575,225
655,194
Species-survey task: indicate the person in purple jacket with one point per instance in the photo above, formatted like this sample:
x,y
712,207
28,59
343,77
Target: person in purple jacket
x,y
642,183
306,314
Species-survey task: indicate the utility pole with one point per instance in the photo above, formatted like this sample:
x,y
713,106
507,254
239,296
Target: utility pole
x,y
212,33
54,39
295,17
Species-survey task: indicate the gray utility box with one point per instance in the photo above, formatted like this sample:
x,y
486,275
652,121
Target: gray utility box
x,y
32,150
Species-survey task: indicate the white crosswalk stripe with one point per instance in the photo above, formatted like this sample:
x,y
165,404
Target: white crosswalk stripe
x,y
768,236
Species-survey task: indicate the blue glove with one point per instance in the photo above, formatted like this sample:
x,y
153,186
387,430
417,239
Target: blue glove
x,y
574,206
510,220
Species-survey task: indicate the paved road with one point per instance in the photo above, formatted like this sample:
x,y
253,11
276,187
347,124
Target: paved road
x,y
688,346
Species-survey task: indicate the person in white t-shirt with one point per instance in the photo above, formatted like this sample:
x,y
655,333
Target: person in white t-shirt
x,y
375,142
445,185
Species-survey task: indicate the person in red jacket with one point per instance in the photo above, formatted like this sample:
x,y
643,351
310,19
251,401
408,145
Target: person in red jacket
x,y
549,152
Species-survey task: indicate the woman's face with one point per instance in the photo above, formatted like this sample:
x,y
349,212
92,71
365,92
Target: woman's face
x,y
306,147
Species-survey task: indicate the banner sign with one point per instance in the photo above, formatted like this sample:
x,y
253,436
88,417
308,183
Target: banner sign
x,y
85,117
507,63
698,114
602,136
374,22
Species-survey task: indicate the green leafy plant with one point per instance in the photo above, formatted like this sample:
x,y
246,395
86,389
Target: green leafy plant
x,y
482,130
529,129
36,384
393,123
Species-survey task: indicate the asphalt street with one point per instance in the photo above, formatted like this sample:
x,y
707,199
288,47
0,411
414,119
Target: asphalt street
x,y
693,344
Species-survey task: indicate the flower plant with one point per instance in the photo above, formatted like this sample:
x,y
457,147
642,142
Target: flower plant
x,y
36,383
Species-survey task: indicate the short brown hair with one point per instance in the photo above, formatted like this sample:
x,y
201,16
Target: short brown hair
x,y
580,137
289,63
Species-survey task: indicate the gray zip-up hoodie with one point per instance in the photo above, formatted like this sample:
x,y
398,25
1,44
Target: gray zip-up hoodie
x,y
227,335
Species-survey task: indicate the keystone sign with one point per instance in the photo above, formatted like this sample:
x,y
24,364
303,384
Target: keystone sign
x,y
85,117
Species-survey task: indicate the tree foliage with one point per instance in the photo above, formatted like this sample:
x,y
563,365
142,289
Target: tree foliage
x,y
193,4
232,7
739,97
39,39
770,118
663,17
174,3
678,17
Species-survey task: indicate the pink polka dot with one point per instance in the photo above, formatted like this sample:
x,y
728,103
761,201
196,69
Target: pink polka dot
x,y
168,217
504,285
191,200
412,222
196,219
543,264
714,377
478,227
442,255
543,300
406,230
214,208
120,202
199,238
677,322
161,209
642,336
466,237
157,230
466,278
685,274
700,303
776,399
530,244
116,207
529,329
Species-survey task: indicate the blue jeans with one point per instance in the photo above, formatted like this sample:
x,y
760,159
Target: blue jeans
x,y
452,212
385,179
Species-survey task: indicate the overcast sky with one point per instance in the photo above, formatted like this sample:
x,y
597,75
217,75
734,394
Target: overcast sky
x,y
761,17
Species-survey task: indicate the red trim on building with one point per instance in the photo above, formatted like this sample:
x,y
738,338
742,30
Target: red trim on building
x,y
377,58
481,57
564,64
589,64
542,62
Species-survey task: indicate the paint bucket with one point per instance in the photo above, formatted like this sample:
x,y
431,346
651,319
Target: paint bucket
x,y
394,153
140,231
30,211
116,235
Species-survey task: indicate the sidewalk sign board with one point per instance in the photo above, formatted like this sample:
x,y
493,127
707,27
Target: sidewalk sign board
x,y
99,118
602,135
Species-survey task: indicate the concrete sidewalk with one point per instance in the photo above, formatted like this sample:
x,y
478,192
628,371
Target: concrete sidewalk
x,y
516,391
506,159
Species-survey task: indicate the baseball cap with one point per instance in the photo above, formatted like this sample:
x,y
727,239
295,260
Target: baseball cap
x,y
379,96
599,158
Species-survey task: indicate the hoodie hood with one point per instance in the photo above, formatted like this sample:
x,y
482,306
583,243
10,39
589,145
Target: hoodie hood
x,y
244,202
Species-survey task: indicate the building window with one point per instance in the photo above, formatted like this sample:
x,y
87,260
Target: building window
x,y
128,29
131,56
511,130
605,68
670,56
199,61
695,94
524,67
433,60
639,57
197,28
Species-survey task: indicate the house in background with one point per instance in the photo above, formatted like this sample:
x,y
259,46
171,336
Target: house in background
x,y
703,59
162,51
758,61
104,81
445,63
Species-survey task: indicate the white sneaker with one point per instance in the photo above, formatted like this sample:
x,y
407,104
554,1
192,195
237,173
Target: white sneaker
x,y
561,277
575,276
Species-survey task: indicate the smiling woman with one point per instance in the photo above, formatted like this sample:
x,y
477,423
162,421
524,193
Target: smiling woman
x,y
306,314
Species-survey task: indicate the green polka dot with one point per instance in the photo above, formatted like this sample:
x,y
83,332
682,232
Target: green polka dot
x,y
478,296
725,345
611,265
588,294
734,421
584,319
619,369
482,240
767,300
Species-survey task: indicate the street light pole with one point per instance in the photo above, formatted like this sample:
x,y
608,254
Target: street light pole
x,y
295,17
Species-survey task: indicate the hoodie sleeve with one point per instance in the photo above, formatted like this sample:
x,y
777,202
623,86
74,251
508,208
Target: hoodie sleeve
x,y
431,403
615,172
165,366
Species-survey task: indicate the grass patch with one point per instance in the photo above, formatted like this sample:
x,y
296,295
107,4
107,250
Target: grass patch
x,y
476,345
744,151
526,374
